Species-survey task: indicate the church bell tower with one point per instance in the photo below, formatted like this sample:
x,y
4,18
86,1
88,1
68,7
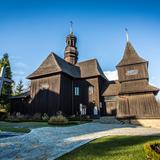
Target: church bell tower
x,y
71,53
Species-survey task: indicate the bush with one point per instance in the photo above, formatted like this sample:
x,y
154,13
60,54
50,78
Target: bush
x,y
80,118
36,116
3,115
59,119
45,117
5,107
18,117
152,150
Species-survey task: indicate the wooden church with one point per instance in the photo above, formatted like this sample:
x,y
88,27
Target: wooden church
x,y
64,85
75,88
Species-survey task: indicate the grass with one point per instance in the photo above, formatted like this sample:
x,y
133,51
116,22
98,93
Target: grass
x,y
25,127
112,148
37,124
23,124
17,130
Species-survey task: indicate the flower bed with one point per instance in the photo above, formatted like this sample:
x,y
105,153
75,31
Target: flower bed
x,y
152,150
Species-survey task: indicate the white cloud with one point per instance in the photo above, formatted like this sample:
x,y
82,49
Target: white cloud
x,y
111,75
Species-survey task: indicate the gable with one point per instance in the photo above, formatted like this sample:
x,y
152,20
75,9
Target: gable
x,y
48,66
55,64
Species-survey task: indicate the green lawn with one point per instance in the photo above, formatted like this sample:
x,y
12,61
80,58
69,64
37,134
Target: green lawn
x,y
23,124
112,148
25,127
32,125
17,130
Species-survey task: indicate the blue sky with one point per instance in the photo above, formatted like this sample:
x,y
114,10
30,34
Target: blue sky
x,y
30,29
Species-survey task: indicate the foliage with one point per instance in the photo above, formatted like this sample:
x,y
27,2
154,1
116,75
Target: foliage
x,y
18,117
5,107
19,88
45,117
80,118
112,148
37,116
3,115
15,117
7,87
151,151
59,119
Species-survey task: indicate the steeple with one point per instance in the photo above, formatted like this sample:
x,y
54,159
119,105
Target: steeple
x,y
132,67
130,56
71,53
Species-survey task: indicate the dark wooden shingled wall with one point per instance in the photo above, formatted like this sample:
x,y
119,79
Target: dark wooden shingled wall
x,y
84,97
45,94
66,95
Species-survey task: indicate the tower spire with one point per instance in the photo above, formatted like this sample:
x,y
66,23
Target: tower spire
x,y
71,27
127,36
70,52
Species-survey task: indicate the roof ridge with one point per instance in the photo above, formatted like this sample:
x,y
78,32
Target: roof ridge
x,y
93,59
54,55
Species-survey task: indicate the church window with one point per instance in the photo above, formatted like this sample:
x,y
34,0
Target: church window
x,y
91,90
90,93
76,91
72,60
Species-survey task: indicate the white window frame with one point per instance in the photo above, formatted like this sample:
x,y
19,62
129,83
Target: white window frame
x,y
76,91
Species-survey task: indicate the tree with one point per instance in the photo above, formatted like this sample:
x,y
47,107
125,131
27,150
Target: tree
x,y
19,87
7,87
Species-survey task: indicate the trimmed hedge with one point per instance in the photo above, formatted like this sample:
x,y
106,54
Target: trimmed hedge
x,y
59,120
152,150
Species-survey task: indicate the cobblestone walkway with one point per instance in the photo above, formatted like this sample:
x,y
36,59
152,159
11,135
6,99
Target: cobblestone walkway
x,y
49,143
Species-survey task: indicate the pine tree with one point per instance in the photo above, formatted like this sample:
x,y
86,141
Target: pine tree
x,y
19,87
7,87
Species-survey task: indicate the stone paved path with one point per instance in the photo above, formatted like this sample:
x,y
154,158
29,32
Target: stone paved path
x,y
50,143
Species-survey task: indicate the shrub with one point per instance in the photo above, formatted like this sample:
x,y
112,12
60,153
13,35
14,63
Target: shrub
x,y
36,116
152,150
59,119
45,117
80,118
18,117
12,118
3,115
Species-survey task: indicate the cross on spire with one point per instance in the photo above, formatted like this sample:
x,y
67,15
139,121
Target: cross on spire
x,y
71,27
127,36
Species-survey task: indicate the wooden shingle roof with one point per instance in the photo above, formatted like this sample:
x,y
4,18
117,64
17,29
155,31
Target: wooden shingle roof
x,y
55,64
90,68
139,86
130,56
113,89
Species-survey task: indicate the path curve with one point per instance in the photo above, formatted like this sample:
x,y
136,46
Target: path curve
x,y
48,143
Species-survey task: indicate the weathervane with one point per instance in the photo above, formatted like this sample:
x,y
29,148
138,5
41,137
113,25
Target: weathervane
x,y
71,27
127,37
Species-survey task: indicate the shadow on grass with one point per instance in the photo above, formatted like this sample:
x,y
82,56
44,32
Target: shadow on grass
x,y
112,147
